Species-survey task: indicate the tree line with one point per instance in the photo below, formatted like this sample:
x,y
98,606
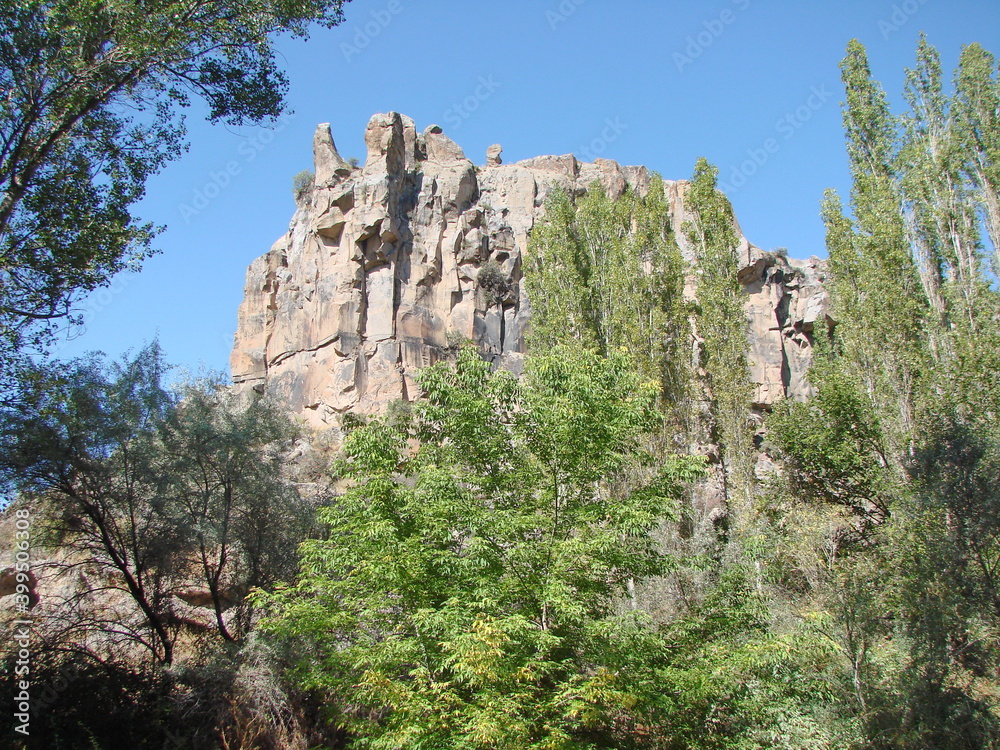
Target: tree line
x,y
524,563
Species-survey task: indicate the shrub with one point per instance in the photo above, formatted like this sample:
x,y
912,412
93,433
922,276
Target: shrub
x,y
302,183
492,280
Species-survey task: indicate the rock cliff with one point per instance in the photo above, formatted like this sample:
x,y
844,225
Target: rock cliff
x,y
376,276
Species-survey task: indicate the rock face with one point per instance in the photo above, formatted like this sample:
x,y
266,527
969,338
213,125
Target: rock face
x,y
377,274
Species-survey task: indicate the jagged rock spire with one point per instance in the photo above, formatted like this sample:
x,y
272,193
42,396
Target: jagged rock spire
x,y
327,162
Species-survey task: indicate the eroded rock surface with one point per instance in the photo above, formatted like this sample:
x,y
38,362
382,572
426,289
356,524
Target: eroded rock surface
x,y
376,276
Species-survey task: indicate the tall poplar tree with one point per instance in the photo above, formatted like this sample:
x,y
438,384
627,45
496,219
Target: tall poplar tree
x,y
977,103
875,279
721,323
904,430
607,272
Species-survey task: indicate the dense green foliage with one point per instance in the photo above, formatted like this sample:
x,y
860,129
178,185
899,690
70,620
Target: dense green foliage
x,y
465,593
168,489
722,324
154,511
902,437
607,272
875,549
542,562
90,110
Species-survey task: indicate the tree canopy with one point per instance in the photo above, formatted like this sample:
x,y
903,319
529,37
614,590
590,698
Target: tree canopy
x,y
166,488
531,562
903,432
466,591
90,101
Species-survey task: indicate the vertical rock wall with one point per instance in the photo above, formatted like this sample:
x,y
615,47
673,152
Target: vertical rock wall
x,y
377,274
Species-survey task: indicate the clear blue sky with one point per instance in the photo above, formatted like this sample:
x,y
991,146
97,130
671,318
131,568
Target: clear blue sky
x,y
727,79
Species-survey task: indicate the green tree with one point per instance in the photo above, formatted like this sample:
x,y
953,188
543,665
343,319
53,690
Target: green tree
x,y
722,324
904,431
465,594
728,678
607,272
167,490
875,278
78,438
941,220
833,450
91,98
977,105
219,468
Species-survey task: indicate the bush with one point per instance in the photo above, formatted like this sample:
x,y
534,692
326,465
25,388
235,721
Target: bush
x,y
456,340
302,183
492,280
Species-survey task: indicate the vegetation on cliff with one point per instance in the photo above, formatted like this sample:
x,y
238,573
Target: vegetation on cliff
x,y
528,563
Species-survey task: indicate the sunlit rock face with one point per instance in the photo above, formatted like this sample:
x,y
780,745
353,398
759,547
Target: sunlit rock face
x,y
376,276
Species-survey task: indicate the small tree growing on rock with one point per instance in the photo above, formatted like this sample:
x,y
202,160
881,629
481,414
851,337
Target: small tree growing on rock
x,y
492,280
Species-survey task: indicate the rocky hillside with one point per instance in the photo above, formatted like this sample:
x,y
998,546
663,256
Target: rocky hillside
x,y
377,275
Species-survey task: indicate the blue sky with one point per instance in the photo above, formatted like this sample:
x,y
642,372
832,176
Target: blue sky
x,y
752,85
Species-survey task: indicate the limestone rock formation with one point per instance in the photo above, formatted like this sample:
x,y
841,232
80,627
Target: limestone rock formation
x,y
377,275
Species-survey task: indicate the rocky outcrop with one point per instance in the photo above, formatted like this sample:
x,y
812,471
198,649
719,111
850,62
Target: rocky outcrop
x,y
378,273
785,301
